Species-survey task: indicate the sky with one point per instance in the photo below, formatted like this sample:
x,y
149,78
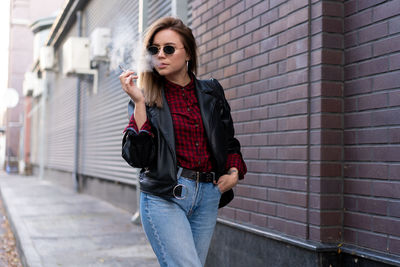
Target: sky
x,y
4,30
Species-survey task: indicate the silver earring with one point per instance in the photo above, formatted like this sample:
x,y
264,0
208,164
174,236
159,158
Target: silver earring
x,y
187,64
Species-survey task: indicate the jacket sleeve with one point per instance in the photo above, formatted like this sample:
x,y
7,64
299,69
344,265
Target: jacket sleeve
x,y
138,148
235,158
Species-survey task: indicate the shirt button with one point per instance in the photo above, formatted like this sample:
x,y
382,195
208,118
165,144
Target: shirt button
x,y
196,125
199,162
188,109
183,94
197,144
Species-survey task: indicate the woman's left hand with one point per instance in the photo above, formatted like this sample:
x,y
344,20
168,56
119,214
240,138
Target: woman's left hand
x,y
228,181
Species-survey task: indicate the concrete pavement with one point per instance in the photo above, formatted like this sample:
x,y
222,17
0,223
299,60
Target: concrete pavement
x,y
55,226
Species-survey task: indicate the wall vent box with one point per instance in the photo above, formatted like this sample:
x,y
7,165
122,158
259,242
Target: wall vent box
x,y
100,39
76,55
46,57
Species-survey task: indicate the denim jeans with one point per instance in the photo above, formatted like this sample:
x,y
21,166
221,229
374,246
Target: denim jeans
x,y
180,230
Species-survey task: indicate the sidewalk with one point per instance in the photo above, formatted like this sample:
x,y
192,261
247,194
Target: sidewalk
x,y
55,226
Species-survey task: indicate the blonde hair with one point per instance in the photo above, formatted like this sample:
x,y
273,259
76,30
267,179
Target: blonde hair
x,y
152,82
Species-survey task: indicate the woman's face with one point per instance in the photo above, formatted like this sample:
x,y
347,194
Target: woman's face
x,y
169,65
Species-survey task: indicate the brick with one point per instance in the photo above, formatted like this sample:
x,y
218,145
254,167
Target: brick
x,y
385,189
327,89
394,245
394,208
287,197
350,104
386,153
386,10
268,44
224,16
357,20
373,32
267,208
318,201
242,216
386,46
252,76
245,16
238,8
269,71
292,153
260,60
325,218
250,152
324,234
269,17
385,117
350,203
291,183
358,53
293,108
350,7
372,101
372,136
350,236
269,125
292,123
292,213
258,220
394,172
387,81
353,153
326,169
350,72
351,39
223,39
252,24
332,25
350,170
394,25
260,113
295,33
358,86
359,187
350,137
231,23
368,3
268,180
374,206
358,220
371,240
291,6
333,9
287,168
292,93
373,66
331,121
326,105
394,135
363,119
252,50
245,41
326,153
394,62
258,166
260,8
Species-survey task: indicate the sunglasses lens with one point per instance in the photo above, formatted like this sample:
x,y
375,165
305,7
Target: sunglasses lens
x,y
169,50
153,50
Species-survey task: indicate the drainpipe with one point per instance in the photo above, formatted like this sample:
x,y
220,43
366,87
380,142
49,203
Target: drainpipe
x,y
42,124
78,112
308,119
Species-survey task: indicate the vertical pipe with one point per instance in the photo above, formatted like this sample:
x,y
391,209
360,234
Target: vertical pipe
x,y
78,112
309,38
42,125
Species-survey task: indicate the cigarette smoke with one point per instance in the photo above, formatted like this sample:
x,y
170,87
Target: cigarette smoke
x,y
126,49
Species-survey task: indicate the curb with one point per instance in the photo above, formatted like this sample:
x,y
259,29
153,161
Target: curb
x,y
27,253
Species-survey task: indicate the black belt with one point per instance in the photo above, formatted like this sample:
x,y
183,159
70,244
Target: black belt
x,y
204,177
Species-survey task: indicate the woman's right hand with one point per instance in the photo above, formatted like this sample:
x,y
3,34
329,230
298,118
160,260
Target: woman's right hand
x,y
128,85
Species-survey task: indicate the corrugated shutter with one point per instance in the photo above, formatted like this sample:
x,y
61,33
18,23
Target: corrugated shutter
x,y
158,9
104,115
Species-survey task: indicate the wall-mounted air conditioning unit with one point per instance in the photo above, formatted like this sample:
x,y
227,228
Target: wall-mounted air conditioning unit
x,y
76,59
46,58
28,85
100,40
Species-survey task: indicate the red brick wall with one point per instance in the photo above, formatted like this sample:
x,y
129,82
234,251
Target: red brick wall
x,y
302,77
259,51
372,125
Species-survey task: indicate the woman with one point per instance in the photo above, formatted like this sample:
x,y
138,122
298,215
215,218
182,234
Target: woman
x,y
181,136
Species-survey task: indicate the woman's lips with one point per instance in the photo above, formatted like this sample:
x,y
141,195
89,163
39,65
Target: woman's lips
x,y
161,65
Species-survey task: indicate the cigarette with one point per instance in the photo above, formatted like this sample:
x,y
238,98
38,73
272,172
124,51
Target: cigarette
x,y
122,68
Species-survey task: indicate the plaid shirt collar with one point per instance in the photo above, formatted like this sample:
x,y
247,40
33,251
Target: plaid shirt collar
x,y
173,87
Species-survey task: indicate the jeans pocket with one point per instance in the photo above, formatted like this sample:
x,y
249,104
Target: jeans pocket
x,y
217,188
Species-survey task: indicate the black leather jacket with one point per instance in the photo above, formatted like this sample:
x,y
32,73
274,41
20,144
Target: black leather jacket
x,y
155,153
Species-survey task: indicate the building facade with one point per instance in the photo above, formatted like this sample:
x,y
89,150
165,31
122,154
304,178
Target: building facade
x,y
313,88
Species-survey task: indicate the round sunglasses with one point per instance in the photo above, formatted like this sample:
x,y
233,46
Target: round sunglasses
x,y
168,49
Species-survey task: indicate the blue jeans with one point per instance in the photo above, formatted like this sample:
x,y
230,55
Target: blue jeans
x,y
180,230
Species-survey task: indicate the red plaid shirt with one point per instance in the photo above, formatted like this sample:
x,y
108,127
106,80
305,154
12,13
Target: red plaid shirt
x,y
191,146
